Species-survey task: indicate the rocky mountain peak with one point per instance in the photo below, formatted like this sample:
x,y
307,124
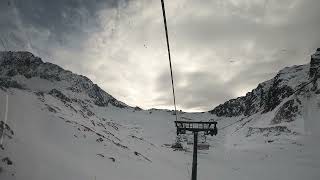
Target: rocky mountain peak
x,y
19,69
315,64
270,94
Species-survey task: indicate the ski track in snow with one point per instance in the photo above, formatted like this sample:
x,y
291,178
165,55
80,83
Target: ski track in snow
x,y
5,117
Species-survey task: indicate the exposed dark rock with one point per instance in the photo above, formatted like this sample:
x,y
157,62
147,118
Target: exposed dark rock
x,y
71,107
100,139
7,161
5,129
51,109
112,159
51,77
314,73
276,94
58,94
7,83
103,99
89,113
12,72
96,93
27,65
246,105
287,112
139,154
113,125
100,155
120,145
264,98
233,107
315,64
137,108
267,131
39,93
270,141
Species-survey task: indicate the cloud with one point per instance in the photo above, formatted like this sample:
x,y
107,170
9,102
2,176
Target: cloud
x,y
220,48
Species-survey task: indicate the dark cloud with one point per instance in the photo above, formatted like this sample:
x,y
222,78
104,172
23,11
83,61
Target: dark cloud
x,y
64,22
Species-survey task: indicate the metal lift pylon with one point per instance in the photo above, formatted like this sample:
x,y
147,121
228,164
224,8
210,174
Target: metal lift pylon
x,y
195,127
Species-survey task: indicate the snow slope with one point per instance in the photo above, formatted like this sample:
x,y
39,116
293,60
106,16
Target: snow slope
x,y
62,126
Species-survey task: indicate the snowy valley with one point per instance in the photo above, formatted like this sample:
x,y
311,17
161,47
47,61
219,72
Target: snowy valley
x,y
60,125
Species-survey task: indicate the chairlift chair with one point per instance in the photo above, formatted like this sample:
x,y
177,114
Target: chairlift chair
x,y
204,145
197,126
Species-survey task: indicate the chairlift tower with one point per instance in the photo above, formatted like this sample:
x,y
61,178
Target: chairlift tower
x,y
195,127
183,126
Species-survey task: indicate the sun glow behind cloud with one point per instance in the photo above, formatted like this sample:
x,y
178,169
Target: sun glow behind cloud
x,y
220,48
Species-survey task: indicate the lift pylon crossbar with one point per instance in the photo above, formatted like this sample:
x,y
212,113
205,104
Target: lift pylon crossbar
x,y
195,126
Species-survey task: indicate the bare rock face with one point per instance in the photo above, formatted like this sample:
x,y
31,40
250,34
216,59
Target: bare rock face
x,y
276,94
7,83
315,64
233,107
265,98
268,131
270,94
28,65
314,69
58,94
287,112
100,99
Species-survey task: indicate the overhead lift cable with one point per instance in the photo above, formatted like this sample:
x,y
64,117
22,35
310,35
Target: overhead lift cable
x,y
169,55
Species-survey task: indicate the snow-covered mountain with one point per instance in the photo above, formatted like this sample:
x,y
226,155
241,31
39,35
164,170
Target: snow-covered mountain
x,y
61,125
281,103
25,71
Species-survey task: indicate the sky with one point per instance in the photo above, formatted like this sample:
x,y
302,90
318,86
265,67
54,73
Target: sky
x,y
221,49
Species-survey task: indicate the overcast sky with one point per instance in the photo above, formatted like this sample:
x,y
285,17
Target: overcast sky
x,y
221,49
